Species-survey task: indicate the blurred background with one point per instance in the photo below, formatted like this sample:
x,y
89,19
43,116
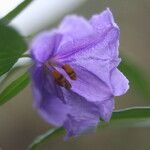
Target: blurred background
x,y
20,123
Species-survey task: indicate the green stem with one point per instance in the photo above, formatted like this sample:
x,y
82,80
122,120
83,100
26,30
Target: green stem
x,y
15,11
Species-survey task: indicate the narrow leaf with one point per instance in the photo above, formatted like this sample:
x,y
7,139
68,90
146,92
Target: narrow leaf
x,y
134,114
20,67
15,11
52,133
14,88
12,46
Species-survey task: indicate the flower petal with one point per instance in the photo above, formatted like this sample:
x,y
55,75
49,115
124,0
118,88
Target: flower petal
x,y
45,45
106,108
83,116
54,111
86,38
89,86
102,22
74,28
48,97
44,82
119,82
96,53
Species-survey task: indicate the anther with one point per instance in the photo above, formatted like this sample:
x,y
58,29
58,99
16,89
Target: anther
x,y
71,73
61,80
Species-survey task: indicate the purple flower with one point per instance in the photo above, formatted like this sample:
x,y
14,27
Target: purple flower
x,y
75,75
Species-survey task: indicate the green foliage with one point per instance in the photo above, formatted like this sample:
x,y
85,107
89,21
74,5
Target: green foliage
x,y
13,75
132,113
50,134
14,88
12,46
15,11
123,118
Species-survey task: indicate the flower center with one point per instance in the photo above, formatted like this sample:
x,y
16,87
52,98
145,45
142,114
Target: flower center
x,y
60,78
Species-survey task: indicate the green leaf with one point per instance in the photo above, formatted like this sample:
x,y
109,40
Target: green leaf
x,y
132,113
14,88
129,117
52,133
20,67
15,11
137,77
12,46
